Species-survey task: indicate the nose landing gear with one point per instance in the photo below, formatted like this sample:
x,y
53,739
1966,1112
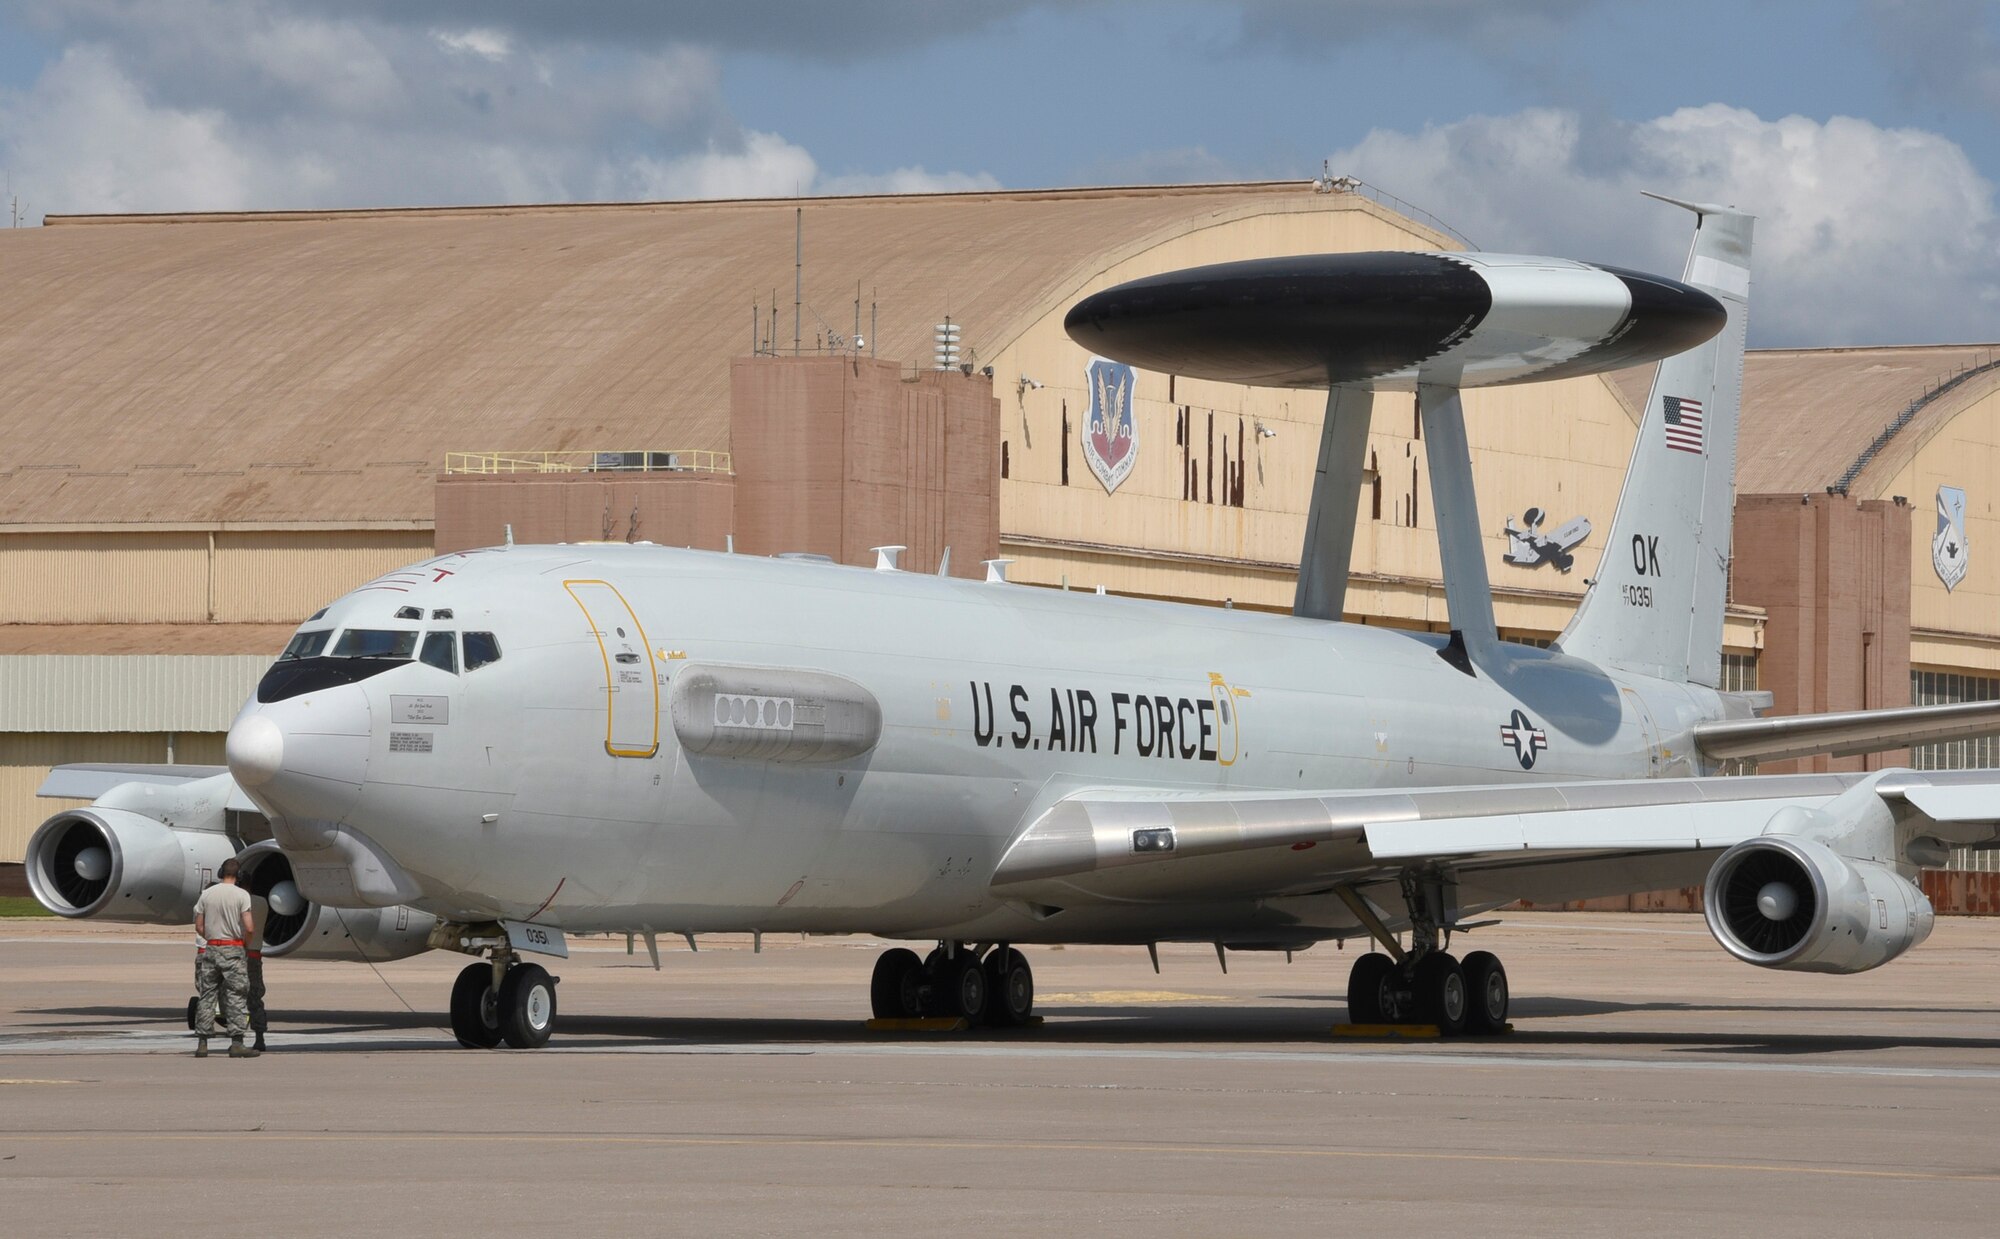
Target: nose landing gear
x,y
992,988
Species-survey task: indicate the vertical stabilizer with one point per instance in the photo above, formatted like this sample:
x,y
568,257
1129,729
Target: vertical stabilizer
x,y
1656,604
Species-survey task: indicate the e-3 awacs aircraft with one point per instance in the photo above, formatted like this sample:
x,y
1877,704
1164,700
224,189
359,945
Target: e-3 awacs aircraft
x,y
489,750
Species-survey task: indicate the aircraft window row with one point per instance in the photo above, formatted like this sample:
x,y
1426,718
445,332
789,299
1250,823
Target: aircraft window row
x,y
439,648
306,645
376,643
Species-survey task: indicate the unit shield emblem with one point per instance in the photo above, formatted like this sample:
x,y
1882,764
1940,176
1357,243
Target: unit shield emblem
x,y
1949,553
1110,431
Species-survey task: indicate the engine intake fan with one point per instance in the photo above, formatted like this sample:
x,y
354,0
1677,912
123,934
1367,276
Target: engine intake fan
x,y
1793,903
121,864
299,927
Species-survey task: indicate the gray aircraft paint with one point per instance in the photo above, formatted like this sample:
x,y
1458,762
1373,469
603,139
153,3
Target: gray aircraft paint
x,y
995,701
587,779
1657,604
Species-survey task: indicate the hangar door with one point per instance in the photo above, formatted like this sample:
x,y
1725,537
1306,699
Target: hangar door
x,y
631,687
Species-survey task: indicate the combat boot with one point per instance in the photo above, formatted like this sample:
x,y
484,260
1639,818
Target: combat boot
x,y
238,1050
201,1047
259,1047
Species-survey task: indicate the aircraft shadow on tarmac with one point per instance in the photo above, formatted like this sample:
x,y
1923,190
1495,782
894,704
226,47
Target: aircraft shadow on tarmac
x,y
1086,1025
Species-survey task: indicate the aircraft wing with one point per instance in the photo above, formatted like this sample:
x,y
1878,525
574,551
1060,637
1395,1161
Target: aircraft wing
x,y
1141,845
1848,732
89,780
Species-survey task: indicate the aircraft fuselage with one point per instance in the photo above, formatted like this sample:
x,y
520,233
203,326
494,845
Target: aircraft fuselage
x,y
557,784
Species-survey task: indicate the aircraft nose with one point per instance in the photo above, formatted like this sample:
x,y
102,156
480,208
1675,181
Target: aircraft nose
x,y
304,759
255,750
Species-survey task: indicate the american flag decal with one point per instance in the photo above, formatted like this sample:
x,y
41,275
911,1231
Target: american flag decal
x,y
1684,432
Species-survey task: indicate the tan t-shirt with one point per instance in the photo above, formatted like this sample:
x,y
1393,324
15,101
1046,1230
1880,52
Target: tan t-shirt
x,y
221,908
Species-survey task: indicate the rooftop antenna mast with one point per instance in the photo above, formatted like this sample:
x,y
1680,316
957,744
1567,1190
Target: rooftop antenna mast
x,y
798,271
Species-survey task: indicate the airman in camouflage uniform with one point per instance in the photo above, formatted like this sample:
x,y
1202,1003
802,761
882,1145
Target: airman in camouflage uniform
x,y
222,919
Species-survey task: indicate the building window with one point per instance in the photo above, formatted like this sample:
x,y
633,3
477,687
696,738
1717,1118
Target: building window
x,y
1936,688
1065,443
1739,673
1540,643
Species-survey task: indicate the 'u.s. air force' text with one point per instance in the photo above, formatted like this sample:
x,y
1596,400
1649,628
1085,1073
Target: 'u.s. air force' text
x,y
1072,720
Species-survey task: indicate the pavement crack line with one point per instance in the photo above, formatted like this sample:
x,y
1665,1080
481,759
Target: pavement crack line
x,y
943,1144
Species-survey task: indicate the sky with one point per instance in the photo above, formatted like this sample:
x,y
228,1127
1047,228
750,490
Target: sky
x,y
1864,134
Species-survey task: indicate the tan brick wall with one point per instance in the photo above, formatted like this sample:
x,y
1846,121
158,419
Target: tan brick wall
x,y
1833,576
835,455
672,509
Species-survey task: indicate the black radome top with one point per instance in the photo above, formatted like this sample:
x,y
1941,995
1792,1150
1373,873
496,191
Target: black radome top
x,y
1376,319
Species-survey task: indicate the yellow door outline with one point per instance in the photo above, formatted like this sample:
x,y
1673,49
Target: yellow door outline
x,y
1227,715
611,675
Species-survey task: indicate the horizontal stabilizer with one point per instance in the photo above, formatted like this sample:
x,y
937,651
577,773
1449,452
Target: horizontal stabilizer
x,y
1847,733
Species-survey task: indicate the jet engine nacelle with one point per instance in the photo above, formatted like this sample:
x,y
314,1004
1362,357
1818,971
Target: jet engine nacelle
x,y
1780,901
300,928
123,865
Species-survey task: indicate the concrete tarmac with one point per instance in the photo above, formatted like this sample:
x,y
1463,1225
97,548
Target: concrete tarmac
x,y
1655,1087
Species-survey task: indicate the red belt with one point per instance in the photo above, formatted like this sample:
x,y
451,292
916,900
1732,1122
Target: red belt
x,y
225,942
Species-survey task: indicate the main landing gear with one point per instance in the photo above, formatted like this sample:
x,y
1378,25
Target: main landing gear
x,y
500,999
1425,984
520,1010
990,987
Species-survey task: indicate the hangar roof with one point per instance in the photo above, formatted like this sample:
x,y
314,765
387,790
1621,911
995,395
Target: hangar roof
x,y
1810,415
315,366
199,640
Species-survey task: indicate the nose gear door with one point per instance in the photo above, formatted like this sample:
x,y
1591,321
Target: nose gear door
x,y
631,684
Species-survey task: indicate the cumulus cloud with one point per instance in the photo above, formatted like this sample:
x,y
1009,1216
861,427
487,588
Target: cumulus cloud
x,y
235,104
86,134
1865,235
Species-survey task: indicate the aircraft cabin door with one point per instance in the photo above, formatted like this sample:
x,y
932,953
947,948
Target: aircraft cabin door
x,y
1228,737
632,686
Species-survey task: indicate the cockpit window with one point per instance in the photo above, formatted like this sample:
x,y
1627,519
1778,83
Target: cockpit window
x,y
480,649
375,643
306,645
441,651
409,612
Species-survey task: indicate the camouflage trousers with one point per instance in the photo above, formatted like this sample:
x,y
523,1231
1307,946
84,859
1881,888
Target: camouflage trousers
x,y
222,971
258,1022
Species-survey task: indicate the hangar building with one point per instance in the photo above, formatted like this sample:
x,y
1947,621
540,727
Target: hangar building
x,y
216,423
